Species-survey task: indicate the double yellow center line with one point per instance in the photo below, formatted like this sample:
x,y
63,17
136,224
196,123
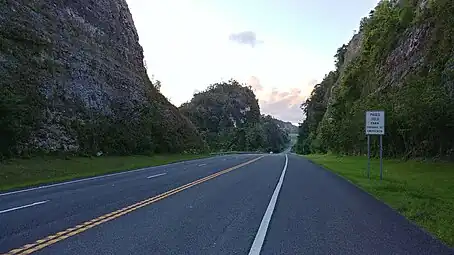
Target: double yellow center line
x,y
47,241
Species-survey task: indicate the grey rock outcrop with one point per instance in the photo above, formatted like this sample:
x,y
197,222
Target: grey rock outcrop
x,y
83,59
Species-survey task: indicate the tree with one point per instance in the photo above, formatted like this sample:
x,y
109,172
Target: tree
x,y
228,115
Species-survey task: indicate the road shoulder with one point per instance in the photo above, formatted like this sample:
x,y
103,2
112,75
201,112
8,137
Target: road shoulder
x,y
320,213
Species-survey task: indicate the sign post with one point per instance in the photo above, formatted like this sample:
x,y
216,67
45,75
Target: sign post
x,y
375,125
381,157
368,156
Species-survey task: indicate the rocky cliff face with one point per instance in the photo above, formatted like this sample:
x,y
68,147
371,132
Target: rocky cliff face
x,y
222,112
73,79
228,116
286,126
401,61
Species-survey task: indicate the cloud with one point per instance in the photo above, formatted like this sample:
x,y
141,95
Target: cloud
x,y
254,82
285,104
312,83
245,37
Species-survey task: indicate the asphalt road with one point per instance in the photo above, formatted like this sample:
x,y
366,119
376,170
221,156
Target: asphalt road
x,y
233,204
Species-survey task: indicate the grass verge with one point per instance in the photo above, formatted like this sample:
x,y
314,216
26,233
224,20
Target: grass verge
x,y
20,173
421,191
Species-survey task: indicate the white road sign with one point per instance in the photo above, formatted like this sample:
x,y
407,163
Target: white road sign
x,y
375,123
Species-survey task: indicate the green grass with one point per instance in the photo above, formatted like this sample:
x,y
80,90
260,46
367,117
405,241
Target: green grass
x,y
421,191
19,173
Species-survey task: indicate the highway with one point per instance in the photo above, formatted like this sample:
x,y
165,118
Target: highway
x,y
231,204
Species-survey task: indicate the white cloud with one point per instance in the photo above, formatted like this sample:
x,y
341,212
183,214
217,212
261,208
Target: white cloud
x,y
254,82
245,37
285,103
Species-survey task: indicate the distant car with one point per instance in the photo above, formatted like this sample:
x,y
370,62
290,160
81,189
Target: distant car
x,y
271,152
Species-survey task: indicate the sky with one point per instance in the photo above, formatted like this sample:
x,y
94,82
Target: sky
x,y
281,48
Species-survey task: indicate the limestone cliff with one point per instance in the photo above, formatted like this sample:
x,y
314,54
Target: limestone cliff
x,y
400,61
73,79
228,116
288,127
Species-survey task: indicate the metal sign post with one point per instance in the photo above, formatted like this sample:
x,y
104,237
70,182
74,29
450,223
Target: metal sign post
x,y
368,156
375,125
381,157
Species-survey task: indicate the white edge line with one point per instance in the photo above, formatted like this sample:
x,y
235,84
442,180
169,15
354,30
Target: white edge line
x,y
98,177
23,206
70,182
156,175
261,233
202,165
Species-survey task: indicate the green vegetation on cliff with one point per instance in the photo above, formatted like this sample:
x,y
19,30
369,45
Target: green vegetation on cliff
x,y
405,66
80,87
228,117
21,104
148,128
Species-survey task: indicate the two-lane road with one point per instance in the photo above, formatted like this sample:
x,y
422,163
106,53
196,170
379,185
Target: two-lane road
x,y
234,204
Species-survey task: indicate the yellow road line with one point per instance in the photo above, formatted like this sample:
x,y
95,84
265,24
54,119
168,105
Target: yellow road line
x,y
62,235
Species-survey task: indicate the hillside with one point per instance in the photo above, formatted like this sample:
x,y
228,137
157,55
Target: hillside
x,y
73,81
228,117
401,61
287,126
